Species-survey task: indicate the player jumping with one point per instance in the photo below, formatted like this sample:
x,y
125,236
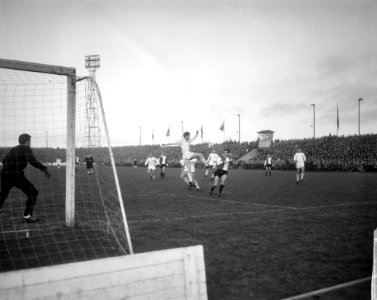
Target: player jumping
x,y
212,163
268,164
185,172
89,160
300,160
12,175
187,155
151,162
221,173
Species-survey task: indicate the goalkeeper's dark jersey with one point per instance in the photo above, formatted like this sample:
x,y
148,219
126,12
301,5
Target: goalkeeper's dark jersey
x,y
17,159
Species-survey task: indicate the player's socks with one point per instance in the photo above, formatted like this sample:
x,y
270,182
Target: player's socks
x,y
270,173
206,174
221,188
212,189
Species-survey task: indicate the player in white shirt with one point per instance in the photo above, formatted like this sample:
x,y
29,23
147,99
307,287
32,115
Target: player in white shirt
x,y
184,173
268,164
58,163
222,173
300,160
212,163
163,162
151,162
187,155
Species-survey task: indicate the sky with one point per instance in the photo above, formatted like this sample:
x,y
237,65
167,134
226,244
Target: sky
x,y
165,62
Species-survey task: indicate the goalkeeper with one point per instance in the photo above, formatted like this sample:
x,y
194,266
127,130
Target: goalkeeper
x,y
12,175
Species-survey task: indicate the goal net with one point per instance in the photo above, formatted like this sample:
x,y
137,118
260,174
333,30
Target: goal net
x,y
80,210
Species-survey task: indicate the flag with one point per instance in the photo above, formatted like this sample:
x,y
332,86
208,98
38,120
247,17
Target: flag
x,y
201,132
337,117
168,132
222,126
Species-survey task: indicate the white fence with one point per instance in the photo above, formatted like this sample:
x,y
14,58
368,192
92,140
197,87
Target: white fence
x,y
168,274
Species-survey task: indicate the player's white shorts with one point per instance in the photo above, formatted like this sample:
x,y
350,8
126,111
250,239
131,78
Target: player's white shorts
x,y
187,155
151,168
300,166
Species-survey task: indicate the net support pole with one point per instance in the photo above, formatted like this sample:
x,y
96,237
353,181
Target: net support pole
x,y
113,167
374,271
70,158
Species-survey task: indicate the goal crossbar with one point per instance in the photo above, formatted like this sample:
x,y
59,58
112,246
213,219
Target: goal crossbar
x,y
36,67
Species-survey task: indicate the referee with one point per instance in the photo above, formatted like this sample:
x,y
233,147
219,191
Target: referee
x,y
12,175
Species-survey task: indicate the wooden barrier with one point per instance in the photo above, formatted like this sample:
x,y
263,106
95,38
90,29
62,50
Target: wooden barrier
x,y
168,274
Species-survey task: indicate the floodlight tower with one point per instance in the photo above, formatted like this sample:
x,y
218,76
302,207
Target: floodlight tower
x,y
92,63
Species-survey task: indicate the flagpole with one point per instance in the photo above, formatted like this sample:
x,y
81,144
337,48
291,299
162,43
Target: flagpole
x,y
201,132
337,120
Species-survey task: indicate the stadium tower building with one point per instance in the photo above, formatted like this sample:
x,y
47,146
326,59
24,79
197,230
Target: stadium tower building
x,y
92,63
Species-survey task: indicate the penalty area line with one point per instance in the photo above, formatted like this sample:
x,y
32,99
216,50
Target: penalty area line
x,y
244,203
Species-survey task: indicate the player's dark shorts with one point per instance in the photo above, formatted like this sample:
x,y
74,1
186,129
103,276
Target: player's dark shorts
x,y
220,172
268,165
89,167
162,166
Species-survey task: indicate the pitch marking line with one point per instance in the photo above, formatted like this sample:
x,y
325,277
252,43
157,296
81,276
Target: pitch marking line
x,y
287,209
202,216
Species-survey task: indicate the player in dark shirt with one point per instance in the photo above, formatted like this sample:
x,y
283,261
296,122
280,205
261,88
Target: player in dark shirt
x,y
12,175
89,160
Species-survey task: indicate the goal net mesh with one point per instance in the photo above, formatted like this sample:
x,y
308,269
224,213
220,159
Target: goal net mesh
x,y
36,103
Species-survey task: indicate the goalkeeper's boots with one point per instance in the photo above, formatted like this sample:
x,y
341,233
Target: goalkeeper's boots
x,y
30,219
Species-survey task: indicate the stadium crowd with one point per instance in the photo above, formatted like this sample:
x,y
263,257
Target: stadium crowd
x,y
329,153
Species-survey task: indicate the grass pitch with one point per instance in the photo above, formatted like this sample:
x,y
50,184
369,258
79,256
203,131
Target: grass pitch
x,y
265,238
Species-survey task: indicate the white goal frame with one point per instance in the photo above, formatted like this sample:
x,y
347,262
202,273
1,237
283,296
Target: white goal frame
x,y
70,187
70,73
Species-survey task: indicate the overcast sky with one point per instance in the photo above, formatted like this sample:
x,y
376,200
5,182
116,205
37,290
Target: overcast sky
x,y
200,62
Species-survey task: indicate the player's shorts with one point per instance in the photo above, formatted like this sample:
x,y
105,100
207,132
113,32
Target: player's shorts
x,y
162,165
89,167
300,166
188,155
211,165
268,165
220,173
151,168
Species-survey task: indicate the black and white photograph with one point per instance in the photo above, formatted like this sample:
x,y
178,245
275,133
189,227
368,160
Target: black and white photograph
x,y
188,149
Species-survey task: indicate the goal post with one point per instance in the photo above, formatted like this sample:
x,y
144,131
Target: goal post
x,y
71,153
70,73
